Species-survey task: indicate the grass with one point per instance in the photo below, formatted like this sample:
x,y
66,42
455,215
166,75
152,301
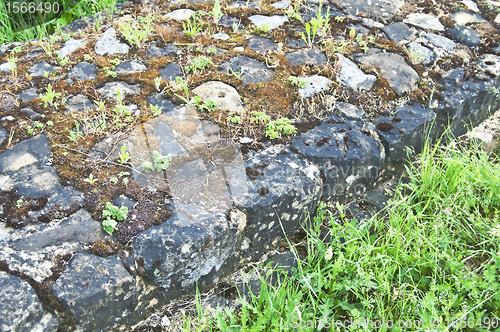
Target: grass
x,y
40,24
432,264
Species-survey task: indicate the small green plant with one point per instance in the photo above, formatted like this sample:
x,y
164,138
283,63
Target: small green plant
x,y
217,12
109,226
87,58
415,55
124,156
198,63
237,74
193,25
339,19
208,105
19,203
63,61
155,109
276,128
316,24
17,49
101,105
109,72
159,163
264,27
114,212
76,134
12,65
91,179
293,12
113,180
157,82
296,81
137,34
50,95
236,26
259,117
233,118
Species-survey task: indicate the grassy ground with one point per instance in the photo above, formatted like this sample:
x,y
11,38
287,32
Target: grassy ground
x,y
41,23
432,264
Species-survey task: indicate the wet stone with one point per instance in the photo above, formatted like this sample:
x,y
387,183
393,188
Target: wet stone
x,y
156,50
262,45
108,44
70,46
180,14
307,57
398,32
97,291
440,41
244,5
83,71
268,22
314,84
79,103
109,90
171,71
253,70
464,35
424,21
39,69
402,78
349,158
399,137
60,204
226,97
421,53
130,67
352,77
20,307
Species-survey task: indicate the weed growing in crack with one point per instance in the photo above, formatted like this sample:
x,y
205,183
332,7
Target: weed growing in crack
x,y
193,25
198,64
318,23
112,212
276,128
297,81
158,163
49,97
137,33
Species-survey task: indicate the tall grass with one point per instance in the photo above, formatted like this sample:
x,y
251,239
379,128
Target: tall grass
x,y
432,264
35,26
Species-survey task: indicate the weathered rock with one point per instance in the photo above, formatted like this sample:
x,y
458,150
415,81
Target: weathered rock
x,y
164,104
83,71
490,64
404,134
39,69
349,158
70,46
130,67
281,4
424,21
314,84
307,57
440,41
108,44
398,32
221,36
462,17
32,114
60,204
252,70
21,310
384,10
309,12
464,35
268,22
7,102
296,43
7,66
352,77
261,45
231,22
471,5
124,200
180,14
79,103
402,78
226,97
155,50
110,90
97,291
27,166
175,254
245,5
348,111
170,72
29,94
420,54
3,135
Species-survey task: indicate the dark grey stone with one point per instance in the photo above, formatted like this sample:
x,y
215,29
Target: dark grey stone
x,y
348,111
164,104
440,41
155,50
464,35
3,135
262,45
60,204
404,134
32,114
83,71
310,11
79,103
252,70
29,94
167,142
245,5
307,57
402,78
78,228
97,291
229,21
20,307
39,69
296,43
398,32
110,90
382,10
108,44
175,254
75,26
171,71
348,157
421,53
130,67
124,200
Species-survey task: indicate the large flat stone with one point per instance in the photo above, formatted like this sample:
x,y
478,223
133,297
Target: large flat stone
x,y
108,44
226,97
252,70
401,77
